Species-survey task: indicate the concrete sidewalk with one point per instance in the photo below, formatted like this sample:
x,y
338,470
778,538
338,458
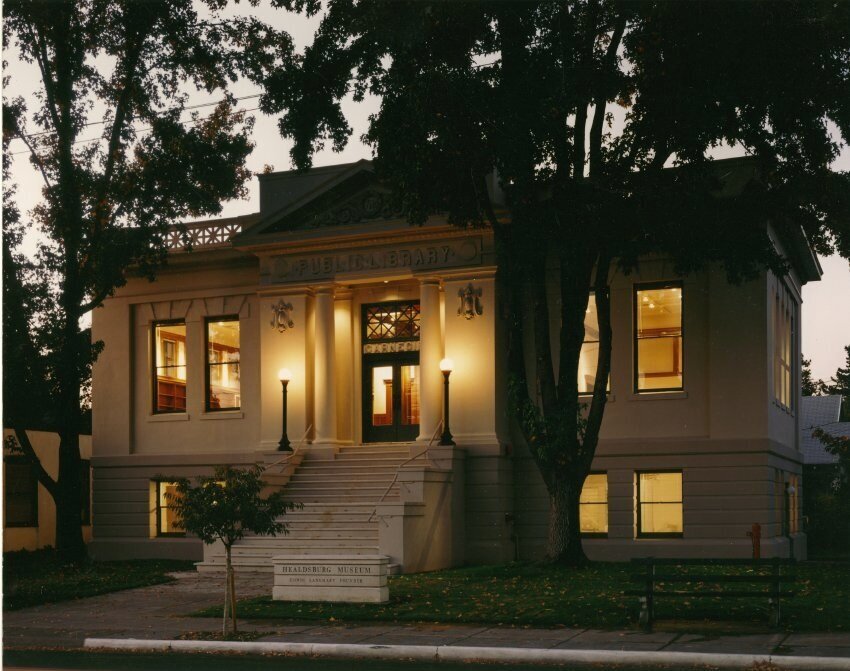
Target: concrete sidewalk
x,y
155,613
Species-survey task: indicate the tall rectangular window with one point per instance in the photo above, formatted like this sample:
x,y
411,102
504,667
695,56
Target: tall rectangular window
x,y
169,355
784,347
589,356
593,505
166,517
223,364
658,337
21,492
659,504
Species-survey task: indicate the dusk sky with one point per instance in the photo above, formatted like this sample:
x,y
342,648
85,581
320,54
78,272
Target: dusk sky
x,y
826,310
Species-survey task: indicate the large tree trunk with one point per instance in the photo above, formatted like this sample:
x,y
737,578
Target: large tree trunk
x,y
564,524
69,532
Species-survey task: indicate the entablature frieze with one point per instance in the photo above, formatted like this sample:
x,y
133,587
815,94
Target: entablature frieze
x,y
402,258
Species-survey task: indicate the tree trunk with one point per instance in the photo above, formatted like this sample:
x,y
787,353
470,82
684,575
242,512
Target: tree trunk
x,y
69,532
232,595
226,590
564,526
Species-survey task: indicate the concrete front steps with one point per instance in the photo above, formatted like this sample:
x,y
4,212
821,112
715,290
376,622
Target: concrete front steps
x,y
338,495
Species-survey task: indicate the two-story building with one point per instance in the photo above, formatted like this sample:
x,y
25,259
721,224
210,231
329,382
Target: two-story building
x,y
330,288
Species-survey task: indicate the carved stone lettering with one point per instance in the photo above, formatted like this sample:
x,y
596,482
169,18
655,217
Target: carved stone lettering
x,y
325,265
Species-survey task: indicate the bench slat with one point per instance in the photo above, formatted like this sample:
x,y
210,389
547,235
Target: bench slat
x,y
662,593
776,561
659,577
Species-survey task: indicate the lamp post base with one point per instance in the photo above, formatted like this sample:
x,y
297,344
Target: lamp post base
x,y
284,445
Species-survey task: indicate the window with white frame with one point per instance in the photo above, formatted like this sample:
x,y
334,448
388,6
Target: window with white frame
x,y
784,346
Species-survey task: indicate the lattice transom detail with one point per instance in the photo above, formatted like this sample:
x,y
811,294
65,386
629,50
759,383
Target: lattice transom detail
x,y
396,321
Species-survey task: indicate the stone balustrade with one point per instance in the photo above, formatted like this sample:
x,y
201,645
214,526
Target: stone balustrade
x,y
203,235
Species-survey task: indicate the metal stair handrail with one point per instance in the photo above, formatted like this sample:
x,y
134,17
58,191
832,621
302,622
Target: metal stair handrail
x,y
292,454
405,463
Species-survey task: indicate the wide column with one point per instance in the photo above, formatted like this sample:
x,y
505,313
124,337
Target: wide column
x,y
324,367
430,353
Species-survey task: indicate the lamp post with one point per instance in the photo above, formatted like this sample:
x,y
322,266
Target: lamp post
x,y
284,375
446,366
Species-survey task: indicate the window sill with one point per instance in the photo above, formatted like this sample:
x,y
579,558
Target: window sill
x,y
660,537
783,408
224,414
169,417
587,397
658,396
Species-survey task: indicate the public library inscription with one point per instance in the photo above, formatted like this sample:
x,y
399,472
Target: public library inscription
x,y
325,265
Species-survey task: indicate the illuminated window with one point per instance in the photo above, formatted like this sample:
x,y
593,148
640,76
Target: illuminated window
x,y
589,356
658,338
223,364
660,504
166,517
169,388
784,347
20,492
593,505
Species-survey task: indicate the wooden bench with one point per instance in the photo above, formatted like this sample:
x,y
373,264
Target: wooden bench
x,y
683,578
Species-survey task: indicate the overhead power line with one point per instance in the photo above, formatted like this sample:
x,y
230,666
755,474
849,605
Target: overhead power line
x,y
170,109
144,130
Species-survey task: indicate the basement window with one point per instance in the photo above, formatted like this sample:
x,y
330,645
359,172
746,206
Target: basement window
x,y
660,508
593,505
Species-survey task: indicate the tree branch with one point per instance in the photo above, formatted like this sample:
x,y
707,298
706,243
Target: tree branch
x,y
603,361
601,98
36,159
542,342
480,186
583,97
43,476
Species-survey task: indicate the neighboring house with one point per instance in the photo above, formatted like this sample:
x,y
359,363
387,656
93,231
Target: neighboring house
x,y
826,511
29,514
820,412
700,439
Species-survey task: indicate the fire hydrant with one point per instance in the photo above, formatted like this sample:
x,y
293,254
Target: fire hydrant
x,y
755,536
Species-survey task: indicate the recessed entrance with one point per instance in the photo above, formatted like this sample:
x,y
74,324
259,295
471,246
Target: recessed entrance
x,y
390,372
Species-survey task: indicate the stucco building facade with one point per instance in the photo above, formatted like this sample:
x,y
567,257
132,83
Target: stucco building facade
x,y
327,281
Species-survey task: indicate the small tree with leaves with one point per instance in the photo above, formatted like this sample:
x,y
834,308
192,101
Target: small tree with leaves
x,y
224,507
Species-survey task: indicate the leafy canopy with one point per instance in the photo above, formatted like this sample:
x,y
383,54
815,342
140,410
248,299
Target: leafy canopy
x,y
552,93
228,504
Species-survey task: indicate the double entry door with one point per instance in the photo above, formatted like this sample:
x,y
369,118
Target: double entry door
x,y
391,397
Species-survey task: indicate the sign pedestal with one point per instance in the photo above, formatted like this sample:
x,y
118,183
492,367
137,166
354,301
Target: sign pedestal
x,y
338,578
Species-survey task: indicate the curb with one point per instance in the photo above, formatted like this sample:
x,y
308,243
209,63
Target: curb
x,y
446,653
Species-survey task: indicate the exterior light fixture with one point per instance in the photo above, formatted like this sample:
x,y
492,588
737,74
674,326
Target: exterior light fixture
x,y
446,366
284,375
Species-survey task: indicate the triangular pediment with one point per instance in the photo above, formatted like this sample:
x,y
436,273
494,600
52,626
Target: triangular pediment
x,y
353,197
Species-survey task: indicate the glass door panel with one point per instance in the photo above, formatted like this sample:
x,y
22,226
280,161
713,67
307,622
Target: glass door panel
x,y
382,396
409,395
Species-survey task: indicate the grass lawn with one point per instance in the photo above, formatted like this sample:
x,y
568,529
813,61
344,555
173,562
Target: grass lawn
x,y
526,594
34,578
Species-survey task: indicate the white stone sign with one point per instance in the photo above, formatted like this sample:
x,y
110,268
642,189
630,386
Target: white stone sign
x,y
343,578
